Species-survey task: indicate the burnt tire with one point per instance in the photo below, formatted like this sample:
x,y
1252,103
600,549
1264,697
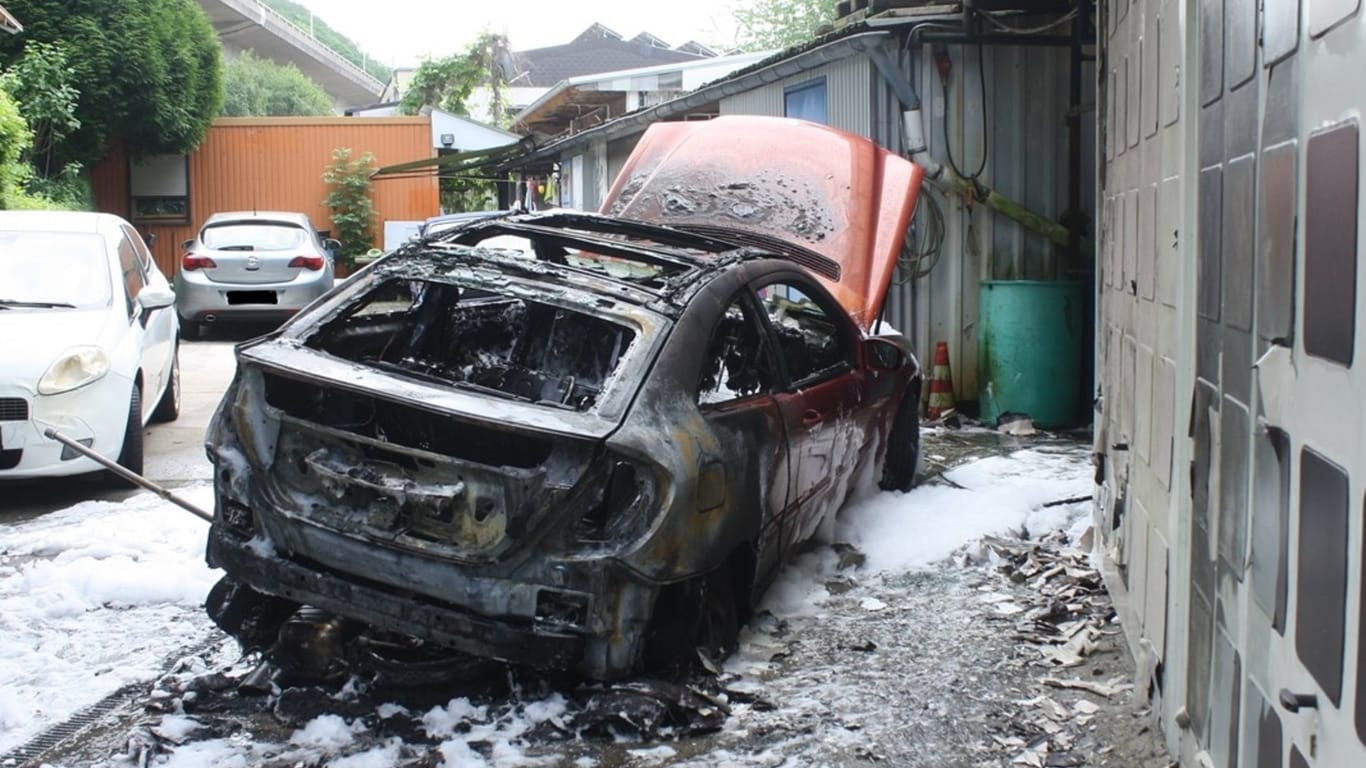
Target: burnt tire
x,y
903,445
130,453
168,407
700,615
252,618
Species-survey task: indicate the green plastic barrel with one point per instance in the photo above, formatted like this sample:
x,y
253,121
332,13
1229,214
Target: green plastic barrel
x,y
1029,337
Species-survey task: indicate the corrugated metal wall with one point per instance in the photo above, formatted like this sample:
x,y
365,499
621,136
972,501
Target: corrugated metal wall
x,y
277,164
1026,126
848,89
1026,132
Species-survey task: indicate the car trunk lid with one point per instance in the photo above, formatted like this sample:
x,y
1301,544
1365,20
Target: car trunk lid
x,y
253,253
836,194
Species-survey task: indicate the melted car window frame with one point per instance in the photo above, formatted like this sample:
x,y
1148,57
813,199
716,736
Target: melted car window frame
x,y
784,331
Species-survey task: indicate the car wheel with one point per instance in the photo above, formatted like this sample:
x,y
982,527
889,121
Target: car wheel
x,y
168,408
697,616
903,445
130,455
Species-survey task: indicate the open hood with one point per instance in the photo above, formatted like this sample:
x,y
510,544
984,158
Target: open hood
x,y
834,193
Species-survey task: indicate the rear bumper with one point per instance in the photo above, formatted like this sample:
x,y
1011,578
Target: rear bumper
x,y
380,607
198,300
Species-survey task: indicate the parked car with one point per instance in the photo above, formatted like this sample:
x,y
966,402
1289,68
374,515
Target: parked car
x,y
252,266
590,447
90,342
446,222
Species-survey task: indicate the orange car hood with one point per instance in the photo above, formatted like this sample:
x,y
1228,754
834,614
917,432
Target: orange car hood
x,y
831,192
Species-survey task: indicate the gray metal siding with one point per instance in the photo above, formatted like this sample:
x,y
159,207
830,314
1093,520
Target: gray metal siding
x,y
848,94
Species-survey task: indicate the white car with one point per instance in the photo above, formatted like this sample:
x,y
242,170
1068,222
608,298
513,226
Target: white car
x,y
90,336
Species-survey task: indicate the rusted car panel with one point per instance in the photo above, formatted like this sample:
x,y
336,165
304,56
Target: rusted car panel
x,y
839,195
590,451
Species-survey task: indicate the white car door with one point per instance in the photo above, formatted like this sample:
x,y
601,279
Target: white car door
x,y
148,329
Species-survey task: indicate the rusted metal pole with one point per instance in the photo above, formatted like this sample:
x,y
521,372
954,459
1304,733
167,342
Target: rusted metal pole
x,y
130,476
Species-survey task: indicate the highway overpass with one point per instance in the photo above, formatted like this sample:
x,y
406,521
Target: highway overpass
x,y
249,25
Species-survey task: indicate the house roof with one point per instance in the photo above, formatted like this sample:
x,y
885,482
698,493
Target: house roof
x,y
596,49
778,67
577,96
8,23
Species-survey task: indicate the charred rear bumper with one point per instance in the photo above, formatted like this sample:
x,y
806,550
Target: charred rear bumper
x,y
523,644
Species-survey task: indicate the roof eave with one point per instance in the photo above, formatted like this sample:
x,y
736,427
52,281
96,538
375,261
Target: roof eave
x,y
639,120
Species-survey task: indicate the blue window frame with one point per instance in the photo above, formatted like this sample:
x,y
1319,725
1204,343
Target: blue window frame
x,y
806,101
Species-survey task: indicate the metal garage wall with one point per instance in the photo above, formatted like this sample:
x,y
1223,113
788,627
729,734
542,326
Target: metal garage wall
x,y
848,89
1231,427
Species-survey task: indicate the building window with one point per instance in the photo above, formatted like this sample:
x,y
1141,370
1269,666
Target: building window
x,y
806,101
159,189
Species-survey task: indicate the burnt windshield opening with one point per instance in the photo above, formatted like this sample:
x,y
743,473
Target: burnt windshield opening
x,y
479,340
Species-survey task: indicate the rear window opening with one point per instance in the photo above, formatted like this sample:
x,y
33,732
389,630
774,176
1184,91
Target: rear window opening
x,y
253,236
505,346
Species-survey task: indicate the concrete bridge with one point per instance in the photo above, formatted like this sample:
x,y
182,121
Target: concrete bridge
x,y
249,25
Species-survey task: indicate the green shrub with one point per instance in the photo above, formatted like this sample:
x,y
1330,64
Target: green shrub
x,y
353,211
15,140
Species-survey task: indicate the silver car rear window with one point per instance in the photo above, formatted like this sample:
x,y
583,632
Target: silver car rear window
x,y
54,267
252,236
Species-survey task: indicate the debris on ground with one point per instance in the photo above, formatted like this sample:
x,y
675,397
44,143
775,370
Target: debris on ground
x,y
1016,424
1063,618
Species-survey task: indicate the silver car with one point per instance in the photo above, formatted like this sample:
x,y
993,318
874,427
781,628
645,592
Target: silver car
x,y
251,266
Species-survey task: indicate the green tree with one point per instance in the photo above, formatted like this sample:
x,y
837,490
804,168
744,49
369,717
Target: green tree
x,y
255,87
149,72
306,19
41,80
15,138
768,24
353,210
446,83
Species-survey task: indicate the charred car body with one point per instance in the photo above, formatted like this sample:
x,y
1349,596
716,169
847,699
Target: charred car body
x,y
573,441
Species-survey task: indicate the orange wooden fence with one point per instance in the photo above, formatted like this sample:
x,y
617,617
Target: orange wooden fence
x,y
276,163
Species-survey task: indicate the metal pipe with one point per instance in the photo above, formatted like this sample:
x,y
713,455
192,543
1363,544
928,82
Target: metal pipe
x,y
992,38
126,474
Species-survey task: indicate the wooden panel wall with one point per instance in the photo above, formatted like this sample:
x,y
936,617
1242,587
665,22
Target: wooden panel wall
x,y
277,164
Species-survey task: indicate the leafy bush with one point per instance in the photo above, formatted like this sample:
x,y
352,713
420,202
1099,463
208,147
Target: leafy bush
x,y
148,71
255,87
353,210
41,80
15,139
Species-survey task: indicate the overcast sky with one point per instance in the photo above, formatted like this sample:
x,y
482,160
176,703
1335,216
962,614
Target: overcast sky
x,y
401,32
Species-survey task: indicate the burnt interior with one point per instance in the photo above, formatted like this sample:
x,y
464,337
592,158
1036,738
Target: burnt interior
x,y
403,425
476,339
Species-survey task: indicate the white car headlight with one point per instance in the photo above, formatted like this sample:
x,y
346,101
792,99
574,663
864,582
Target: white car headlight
x,y
76,367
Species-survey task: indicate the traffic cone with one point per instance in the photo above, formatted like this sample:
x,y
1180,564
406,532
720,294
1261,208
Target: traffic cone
x,y
941,384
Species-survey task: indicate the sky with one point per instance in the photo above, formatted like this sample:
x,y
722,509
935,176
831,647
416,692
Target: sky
x,y
401,32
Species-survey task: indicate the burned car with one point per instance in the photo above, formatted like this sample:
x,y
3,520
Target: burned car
x,y
578,442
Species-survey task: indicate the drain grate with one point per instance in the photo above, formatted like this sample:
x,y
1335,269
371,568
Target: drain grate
x,y
28,753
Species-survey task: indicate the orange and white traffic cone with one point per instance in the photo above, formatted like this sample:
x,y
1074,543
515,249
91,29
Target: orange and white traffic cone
x,y
941,384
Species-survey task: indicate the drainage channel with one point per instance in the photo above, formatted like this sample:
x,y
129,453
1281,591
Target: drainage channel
x,y
68,730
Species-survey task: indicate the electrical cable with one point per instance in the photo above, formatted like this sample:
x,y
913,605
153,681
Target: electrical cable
x,y
948,143
994,18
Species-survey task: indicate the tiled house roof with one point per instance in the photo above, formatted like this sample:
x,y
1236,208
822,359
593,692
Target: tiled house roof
x,y
597,49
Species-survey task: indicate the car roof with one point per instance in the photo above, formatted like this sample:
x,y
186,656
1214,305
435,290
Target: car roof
x,y
684,260
291,216
64,221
